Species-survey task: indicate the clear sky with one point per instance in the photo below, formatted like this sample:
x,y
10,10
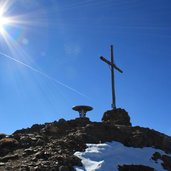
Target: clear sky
x,y
49,60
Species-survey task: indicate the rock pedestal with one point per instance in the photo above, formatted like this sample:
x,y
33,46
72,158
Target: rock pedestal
x,y
117,116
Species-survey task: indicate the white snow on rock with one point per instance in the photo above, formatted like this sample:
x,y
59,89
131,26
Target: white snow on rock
x,y
107,156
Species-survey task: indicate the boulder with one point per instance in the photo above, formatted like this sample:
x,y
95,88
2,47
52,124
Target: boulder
x,y
2,135
7,145
117,117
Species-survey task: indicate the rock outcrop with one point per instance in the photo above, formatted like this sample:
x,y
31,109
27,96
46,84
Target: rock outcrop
x,y
51,146
166,160
117,117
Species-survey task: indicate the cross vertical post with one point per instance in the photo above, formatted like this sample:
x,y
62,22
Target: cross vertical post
x,y
113,67
113,80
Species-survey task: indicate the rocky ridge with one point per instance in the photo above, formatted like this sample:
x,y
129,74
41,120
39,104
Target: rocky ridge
x,y
51,146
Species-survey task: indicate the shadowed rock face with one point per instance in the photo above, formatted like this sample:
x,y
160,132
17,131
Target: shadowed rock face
x,y
51,146
135,168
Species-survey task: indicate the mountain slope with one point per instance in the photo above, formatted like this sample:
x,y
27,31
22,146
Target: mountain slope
x,y
52,146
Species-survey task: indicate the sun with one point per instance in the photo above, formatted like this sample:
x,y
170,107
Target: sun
x,y
3,22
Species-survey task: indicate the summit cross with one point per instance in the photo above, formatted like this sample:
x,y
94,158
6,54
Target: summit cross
x,y
113,66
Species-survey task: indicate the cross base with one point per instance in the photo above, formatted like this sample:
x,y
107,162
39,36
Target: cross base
x,y
113,106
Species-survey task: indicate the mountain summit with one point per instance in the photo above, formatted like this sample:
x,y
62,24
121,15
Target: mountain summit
x,y
69,145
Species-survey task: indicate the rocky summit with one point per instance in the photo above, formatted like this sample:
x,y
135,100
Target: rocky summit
x,y
51,146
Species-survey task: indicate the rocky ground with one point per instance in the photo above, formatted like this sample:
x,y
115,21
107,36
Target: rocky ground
x,y
51,146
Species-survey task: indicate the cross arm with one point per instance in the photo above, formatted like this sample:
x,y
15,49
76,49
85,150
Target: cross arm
x,y
111,64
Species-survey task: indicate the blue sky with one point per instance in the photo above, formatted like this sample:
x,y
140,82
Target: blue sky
x,y
53,42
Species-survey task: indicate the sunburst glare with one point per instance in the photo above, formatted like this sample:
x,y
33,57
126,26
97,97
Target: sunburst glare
x,y
3,22
6,21
16,53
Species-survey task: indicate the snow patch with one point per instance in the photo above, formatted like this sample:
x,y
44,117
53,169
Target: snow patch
x,y
108,156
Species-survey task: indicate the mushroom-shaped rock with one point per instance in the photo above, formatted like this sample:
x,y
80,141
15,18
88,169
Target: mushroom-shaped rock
x,y
82,109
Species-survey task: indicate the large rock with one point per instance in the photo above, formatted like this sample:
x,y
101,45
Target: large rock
x,y
117,116
7,145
